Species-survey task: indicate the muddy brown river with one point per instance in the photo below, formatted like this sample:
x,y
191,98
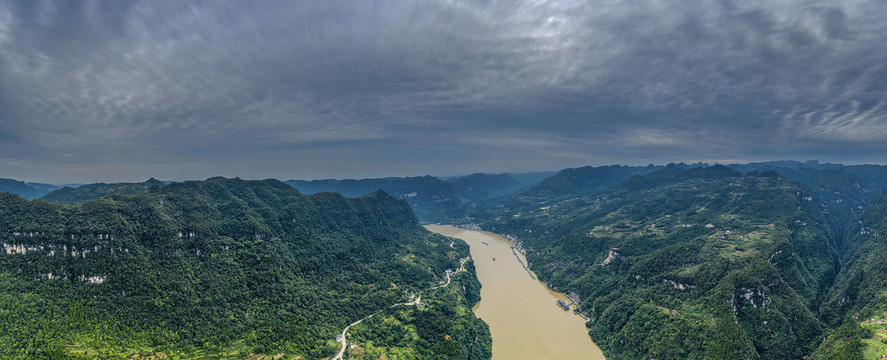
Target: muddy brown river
x,y
524,319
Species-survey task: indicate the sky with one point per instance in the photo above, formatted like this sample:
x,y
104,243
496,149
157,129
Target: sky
x,y
126,90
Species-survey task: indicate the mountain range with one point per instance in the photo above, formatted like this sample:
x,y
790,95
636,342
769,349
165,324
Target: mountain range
x,y
767,260
784,261
228,268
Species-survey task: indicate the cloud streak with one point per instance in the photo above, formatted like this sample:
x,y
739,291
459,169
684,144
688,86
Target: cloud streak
x,y
333,88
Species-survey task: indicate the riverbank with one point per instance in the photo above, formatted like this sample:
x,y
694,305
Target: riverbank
x,y
524,318
342,338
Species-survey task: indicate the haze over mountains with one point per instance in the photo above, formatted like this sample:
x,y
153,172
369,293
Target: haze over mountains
x,y
27,190
432,199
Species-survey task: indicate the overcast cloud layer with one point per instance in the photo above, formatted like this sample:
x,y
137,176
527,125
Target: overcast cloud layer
x,y
122,90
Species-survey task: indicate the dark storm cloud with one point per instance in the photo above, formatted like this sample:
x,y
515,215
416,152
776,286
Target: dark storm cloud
x,y
125,90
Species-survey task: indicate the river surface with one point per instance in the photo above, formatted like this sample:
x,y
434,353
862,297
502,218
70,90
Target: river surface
x,y
524,319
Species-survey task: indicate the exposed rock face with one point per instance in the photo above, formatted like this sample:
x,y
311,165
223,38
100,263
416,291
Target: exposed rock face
x,y
612,256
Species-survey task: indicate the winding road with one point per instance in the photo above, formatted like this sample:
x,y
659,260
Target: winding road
x,y
343,337
461,269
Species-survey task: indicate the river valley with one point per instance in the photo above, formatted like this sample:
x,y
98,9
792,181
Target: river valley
x,y
525,321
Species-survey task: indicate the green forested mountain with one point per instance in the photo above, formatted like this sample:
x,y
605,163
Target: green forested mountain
x,y
433,200
84,193
873,176
775,260
859,298
583,181
25,190
225,268
842,191
566,184
480,187
687,263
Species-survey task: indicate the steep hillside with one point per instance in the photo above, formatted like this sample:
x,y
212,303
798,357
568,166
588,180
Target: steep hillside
x,y
687,263
875,176
84,193
859,296
841,194
433,200
225,268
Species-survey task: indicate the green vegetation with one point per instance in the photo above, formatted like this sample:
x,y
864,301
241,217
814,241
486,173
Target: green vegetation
x,y
687,263
859,296
224,268
565,185
25,190
432,199
843,343
479,188
841,194
775,260
82,194
442,330
874,177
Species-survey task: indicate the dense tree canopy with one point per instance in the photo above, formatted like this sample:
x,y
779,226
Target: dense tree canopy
x,y
687,263
222,267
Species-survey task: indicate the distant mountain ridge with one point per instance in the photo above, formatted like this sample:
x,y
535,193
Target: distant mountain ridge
x,y
432,200
583,181
84,193
481,187
26,190
843,190
565,184
873,176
